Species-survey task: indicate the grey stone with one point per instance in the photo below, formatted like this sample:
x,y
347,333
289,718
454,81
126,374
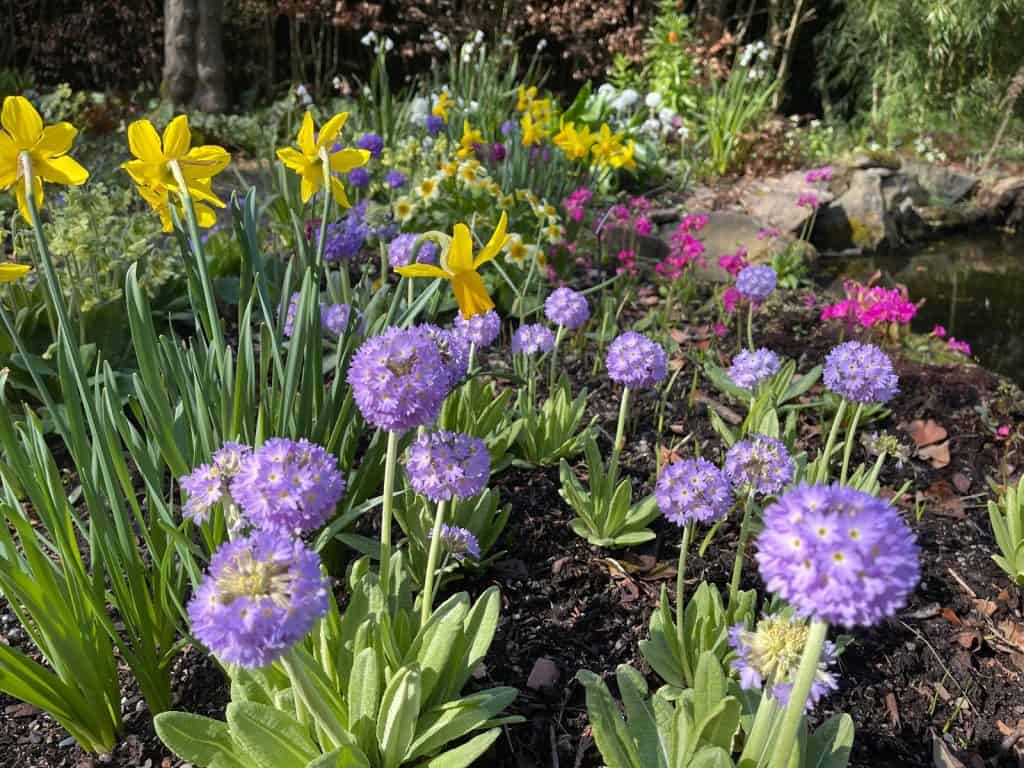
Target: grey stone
x,y
944,185
774,201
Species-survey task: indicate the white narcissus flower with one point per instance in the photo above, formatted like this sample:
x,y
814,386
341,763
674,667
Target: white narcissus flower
x,y
653,100
625,100
369,38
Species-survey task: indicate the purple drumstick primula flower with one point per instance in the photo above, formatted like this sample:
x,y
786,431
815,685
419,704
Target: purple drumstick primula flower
x,y
446,465
454,350
400,251
288,486
434,124
838,554
398,379
372,143
756,283
394,179
532,339
262,595
761,463
693,491
860,373
210,484
359,177
333,317
769,657
481,330
749,369
458,541
567,308
635,361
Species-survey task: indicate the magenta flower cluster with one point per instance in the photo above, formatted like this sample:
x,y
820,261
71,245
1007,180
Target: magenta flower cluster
x,y
760,463
576,203
263,594
838,554
756,283
693,491
685,248
398,379
400,251
567,308
458,542
480,330
734,263
749,369
532,339
870,305
210,484
819,175
635,361
860,373
808,200
445,465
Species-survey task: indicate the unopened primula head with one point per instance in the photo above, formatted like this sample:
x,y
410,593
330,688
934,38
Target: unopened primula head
x,y
33,153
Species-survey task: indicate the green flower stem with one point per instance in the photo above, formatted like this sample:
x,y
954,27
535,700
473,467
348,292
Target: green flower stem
x,y
760,733
620,438
850,437
826,455
684,548
559,335
737,566
750,326
794,713
427,598
387,506
321,242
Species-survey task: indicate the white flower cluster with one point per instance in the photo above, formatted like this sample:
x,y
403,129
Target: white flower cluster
x,y
379,44
440,40
303,95
471,46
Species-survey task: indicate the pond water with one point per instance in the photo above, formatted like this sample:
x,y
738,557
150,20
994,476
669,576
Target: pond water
x,y
972,284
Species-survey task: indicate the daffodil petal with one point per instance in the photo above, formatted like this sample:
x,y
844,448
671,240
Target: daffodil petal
x,y
206,217
61,170
203,193
330,130
495,244
19,194
306,143
460,255
177,138
10,272
204,162
8,161
423,270
21,120
340,196
307,188
57,138
292,158
471,295
144,142
344,160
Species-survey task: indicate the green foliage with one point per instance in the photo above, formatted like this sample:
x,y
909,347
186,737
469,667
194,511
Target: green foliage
x,y
1007,518
555,432
669,68
731,109
484,411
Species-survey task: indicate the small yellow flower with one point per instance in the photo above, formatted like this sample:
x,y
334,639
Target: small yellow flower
x,y
469,174
541,110
494,189
308,159
471,138
442,105
404,209
624,157
542,258
459,266
550,211
533,131
526,196
450,169
516,248
428,189
505,201
9,271
44,149
526,97
554,233
574,143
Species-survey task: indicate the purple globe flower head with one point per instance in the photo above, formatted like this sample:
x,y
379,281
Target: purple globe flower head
x,y
359,177
263,594
434,124
635,361
394,179
509,127
756,283
288,486
769,657
860,373
454,351
398,379
346,236
760,463
447,465
210,484
401,248
497,152
334,318
693,491
838,554
458,542
480,330
750,369
567,308
532,339
372,143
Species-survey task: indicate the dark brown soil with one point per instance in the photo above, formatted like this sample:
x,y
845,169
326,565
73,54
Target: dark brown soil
x,y
949,667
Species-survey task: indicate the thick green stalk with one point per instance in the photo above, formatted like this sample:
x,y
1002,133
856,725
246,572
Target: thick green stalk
x,y
750,326
794,713
427,598
737,566
620,438
851,435
321,243
390,465
554,357
826,455
684,547
760,733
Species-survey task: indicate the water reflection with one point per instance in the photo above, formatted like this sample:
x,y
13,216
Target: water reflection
x,y
973,285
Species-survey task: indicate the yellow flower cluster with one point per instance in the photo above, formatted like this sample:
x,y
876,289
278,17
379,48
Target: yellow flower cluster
x,y
536,116
605,148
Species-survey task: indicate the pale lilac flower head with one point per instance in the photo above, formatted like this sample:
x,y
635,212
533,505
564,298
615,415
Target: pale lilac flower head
x,y
459,542
333,317
445,465
454,350
532,339
372,143
394,179
756,283
769,657
398,379
635,361
750,369
838,554
693,491
860,373
263,594
567,308
434,124
359,177
288,486
400,251
761,463
481,330
210,484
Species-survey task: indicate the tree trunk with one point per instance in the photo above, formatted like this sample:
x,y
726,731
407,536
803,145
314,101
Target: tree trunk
x,y
179,50
210,93
787,54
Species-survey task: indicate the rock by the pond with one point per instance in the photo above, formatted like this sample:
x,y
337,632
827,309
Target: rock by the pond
x,y
945,185
727,232
774,201
648,247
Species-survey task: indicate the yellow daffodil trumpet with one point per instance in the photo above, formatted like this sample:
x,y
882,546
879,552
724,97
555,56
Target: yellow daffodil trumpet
x,y
459,266
9,271
315,160
31,153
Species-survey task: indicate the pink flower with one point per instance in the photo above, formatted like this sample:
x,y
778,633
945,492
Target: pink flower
x,y
575,204
693,222
639,203
939,331
643,225
959,346
808,200
730,299
627,261
769,234
868,305
721,329
733,263
620,212
819,174
1003,432
810,299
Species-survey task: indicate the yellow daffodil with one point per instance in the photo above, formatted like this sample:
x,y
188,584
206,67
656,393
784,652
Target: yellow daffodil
x,y
541,110
459,266
533,131
308,159
159,199
153,173
607,145
575,144
9,271
26,145
624,157
471,138
526,97
442,105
